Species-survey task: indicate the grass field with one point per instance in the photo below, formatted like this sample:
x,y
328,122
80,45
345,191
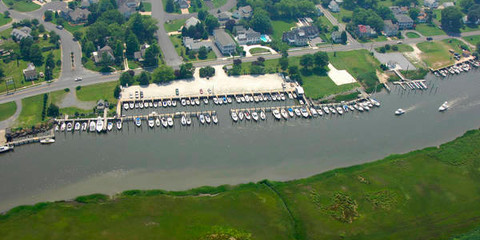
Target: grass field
x,y
473,39
429,30
96,92
31,113
174,25
219,3
133,64
401,48
70,27
4,20
412,35
22,5
7,110
258,50
279,27
435,54
321,86
456,45
425,194
343,13
147,6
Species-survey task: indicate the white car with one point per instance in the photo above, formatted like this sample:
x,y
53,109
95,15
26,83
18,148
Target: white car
x,y
78,79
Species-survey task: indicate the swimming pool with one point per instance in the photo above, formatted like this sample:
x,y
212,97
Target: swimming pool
x,y
265,38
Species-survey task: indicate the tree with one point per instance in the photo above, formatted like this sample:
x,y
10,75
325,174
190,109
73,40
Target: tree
x,y
144,78
88,48
211,22
257,69
237,62
343,37
293,69
36,55
283,62
6,14
170,6
229,25
465,5
25,45
116,92
207,72
261,21
106,61
53,110
414,12
202,15
452,19
186,70
307,61
126,79
163,74
72,5
77,35
202,52
118,52
132,44
151,55
473,14
49,62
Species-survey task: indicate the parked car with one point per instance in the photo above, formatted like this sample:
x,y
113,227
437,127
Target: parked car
x,y
60,27
176,91
78,79
429,39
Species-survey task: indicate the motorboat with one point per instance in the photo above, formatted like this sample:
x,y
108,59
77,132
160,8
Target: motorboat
x,y
242,99
265,98
294,95
255,116
68,127
247,115
290,112
92,126
214,118
301,102
189,121
164,103
326,110
99,125
320,112
375,102
284,113
220,101
155,104
164,122
131,105
140,104
174,103
205,101
183,102
150,104
47,141
77,126
138,122
332,110
5,148
304,112
345,108
208,119
237,99
192,102
240,115
145,104
125,106
255,98
263,116
229,100
399,112
197,101
274,97
282,96
151,122
247,99
215,100
314,112
201,118
443,107
137,105
290,96
234,116
119,124
84,126
183,121
351,108
109,126
187,102
339,110
297,112
276,114
170,121
169,103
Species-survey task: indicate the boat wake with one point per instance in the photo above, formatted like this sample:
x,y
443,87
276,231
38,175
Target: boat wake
x,y
457,101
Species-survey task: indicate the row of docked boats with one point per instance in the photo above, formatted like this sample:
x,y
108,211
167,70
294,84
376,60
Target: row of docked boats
x,y
91,126
149,104
240,115
185,120
457,69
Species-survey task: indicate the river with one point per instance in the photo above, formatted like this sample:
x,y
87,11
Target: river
x,y
182,158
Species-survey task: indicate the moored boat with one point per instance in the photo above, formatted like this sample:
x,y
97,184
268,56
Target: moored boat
x,y
183,120
183,102
201,117
326,110
157,122
125,106
47,141
151,122
77,126
304,112
214,118
263,116
5,148
297,112
109,126
247,115
138,122
197,101
284,113
276,114
155,104
208,119
314,112
291,113
119,124
189,121
255,116
92,126
170,121
234,116
84,126
174,103
99,125
164,122
131,105
240,115
339,110
205,101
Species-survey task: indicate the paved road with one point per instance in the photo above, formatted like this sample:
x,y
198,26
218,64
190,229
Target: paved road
x,y
9,121
334,21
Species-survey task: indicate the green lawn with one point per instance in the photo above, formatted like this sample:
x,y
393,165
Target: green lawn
x,y
71,27
174,25
412,35
325,22
279,27
89,64
133,64
469,28
456,45
317,87
258,50
435,54
97,91
401,48
31,113
428,30
22,5
4,20
425,194
147,6
7,110
473,39
219,3
343,13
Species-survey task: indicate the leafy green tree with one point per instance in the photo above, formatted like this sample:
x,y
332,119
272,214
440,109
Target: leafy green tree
x,y
36,55
211,22
261,22
49,62
77,35
118,52
307,61
53,110
116,92
207,72
106,61
25,45
170,6
465,5
132,44
186,70
144,78
202,14
88,48
414,12
163,74
6,14
202,53
283,62
343,37
473,14
151,55
48,16
126,79
320,59
452,19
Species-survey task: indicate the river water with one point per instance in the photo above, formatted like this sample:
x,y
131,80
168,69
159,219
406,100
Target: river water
x,y
182,158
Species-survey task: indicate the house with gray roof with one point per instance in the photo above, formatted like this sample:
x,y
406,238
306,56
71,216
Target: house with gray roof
x,y
224,42
191,22
98,55
127,7
19,34
244,12
139,55
79,15
183,4
404,21
248,37
337,37
448,4
333,6
30,73
300,36
430,3
195,45
390,29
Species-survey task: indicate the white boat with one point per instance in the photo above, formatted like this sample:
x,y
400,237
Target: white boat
x,y
263,116
320,112
290,96
247,99
99,125
77,126
69,127
237,99
150,104
229,100
325,109
205,101
351,108
201,118
174,103
276,114
109,126
164,103
183,102
151,122
399,112
304,112
125,106
291,113
314,112
214,118
297,112
301,102
164,122
145,104
155,104
294,95
242,99
187,102
255,116
240,115
169,103
215,100
137,105
255,98
274,97
189,121
339,110
234,116
443,107
208,119
282,96
332,110
119,124
84,126
247,115
192,102
92,126
265,98
375,102
5,148
183,121
138,122
197,101
284,113
170,121
47,141
140,104
131,105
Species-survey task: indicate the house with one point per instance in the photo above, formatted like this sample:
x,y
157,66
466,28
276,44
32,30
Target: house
x,y
389,28
224,16
319,11
183,4
191,22
243,12
139,55
19,34
337,37
195,45
430,3
79,15
404,21
422,17
399,10
87,3
127,7
30,73
300,36
248,37
333,6
448,4
224,42
98,55
365,31
466,21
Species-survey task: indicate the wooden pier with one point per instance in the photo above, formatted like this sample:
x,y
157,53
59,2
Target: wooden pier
x,y
31,139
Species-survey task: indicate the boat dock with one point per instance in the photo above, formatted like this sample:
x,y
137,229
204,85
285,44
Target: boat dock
x,y
413,84
31,139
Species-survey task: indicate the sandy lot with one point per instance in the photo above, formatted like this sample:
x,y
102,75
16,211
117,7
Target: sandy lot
x,y
340,77
220,84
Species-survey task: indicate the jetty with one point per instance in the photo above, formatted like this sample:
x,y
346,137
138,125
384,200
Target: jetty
x,y
31,139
